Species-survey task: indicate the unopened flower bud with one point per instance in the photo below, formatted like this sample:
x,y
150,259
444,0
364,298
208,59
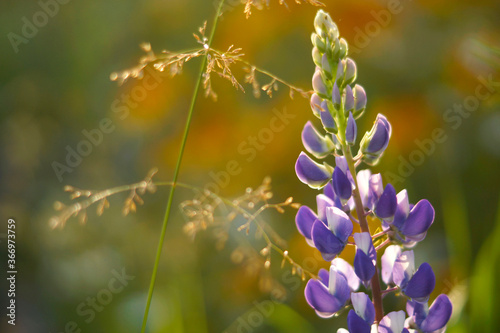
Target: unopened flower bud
x,y
350,71
348,100
351,130
376,140
316,144
359,101
316,104
343,48
318,84
318,42
327,119
311,173
325,64
325,26
336,99
316,56
340,72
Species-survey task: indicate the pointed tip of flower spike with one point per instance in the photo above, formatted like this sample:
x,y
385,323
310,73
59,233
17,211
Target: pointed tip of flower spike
x,y
351,130
325,27
341,184
311,173
304,220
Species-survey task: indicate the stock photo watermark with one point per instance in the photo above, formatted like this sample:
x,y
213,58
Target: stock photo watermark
x,y
32,24
454,117
262,310
92,305
11,271
121,107
249,149
381,20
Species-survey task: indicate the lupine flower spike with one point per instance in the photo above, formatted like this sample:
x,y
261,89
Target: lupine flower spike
x,y
349,196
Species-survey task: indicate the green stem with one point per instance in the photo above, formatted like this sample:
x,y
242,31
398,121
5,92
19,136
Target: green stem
x,y
375,283
177,169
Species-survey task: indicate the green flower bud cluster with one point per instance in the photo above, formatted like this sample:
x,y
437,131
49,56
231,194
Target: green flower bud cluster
x,y
333,77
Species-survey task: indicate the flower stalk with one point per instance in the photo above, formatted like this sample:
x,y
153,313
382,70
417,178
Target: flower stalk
x,y
375,282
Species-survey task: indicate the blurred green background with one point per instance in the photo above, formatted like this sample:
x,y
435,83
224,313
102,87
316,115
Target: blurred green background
x,y
416,65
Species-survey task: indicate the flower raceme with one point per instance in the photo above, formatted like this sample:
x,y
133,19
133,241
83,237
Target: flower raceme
x,y
338,102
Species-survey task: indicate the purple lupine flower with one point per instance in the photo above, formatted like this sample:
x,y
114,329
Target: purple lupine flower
x,y
304,220
318,84
376,140
331,239
387,204
329,191
365,259
344,268
316,144
391,254
412,222
362,317
327,299
348,271
341,184
433,319
360,100
351,130
348,99
363,178
417,285
322,203
330,227
311,173
393,322
383,202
